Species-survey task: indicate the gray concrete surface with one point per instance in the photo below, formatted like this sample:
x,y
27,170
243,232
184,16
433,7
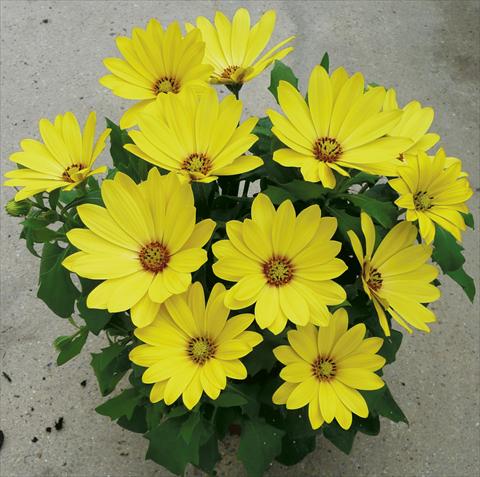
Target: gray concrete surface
x,y
51,56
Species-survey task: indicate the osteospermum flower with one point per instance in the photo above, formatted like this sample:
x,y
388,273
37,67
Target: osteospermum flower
x,y
396,276
192,348
144,243
325,366
63,160
341,126
232,48
199,138
156,61
414,125
282,263
433,193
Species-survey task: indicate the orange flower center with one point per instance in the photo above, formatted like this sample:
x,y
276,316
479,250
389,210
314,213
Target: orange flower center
x,y
197,163
70,170
327,149
324,369
166,85
422,201
201,349
278,271
154,257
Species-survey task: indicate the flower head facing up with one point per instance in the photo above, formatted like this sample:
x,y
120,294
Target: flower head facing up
x,y
156,62
414,125
341,126
191,348
433,192
283,263
63,160
233,48
144,244
198,137
396,276
324,368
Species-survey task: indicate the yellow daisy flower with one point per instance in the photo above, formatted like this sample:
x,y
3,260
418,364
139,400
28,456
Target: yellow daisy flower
x,y
396,276
232,48
414,124
144,244
283,263
197,137
341,126
433,193
156,62
64,159
325,366
192,348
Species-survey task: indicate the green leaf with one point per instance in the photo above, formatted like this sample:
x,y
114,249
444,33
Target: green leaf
x,y
188,427
469,222
346,222
385,213
260,443
209,455
109,366
381,402
340,438
53,198
71,347
281,72
94,319
137,422
325,62
154,414
122,405
56,287
277,195
304,190
465,281
369,425
229,399
167,447
360,178
390,346
447,252
294,450
261,358
125,162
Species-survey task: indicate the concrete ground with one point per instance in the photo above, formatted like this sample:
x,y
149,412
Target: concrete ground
x,y
51,55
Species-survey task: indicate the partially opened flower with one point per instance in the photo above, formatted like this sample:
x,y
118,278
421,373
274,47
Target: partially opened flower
x,y
396,276
433,193
414,124
283,263
192,348
144,243
198,137
340,126
64,159
233,48
325,366
156,61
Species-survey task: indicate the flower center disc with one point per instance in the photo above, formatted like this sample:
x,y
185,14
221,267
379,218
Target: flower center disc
x,y
200,350
422,201
70,170
374,280
324,368
327,149
166,85
229,71
154,257
278,271
197,163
